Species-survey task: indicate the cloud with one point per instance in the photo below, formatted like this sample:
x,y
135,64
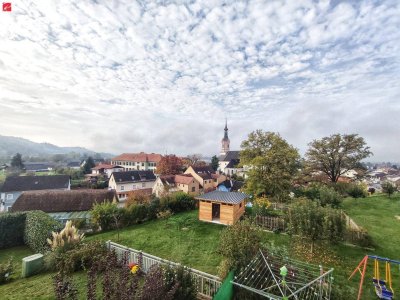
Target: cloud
x,y
146,76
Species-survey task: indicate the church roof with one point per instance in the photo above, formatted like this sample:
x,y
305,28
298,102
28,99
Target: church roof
x,y
230,155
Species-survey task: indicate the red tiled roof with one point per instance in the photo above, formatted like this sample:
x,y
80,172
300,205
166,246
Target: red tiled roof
x,y
138,157
184,179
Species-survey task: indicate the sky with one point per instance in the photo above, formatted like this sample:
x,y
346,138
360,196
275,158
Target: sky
x,y
162,76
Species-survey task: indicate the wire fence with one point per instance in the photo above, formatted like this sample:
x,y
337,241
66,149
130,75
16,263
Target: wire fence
x,y
207,285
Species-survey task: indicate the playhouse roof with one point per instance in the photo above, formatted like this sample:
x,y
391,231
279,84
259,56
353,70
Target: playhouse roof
x,y
224,197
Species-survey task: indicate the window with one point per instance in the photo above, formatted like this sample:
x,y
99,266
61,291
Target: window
x,y
8,208
9,196
143,184
122,187
240,205
193,189
142,164
134,186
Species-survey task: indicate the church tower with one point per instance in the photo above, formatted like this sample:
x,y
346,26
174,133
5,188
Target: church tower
x,y
225,141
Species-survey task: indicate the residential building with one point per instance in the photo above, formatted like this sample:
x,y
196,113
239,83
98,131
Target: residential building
x,y
106,170
15,185
175,183
38,167
63,205
127,181
76,165
206,177
221,207
137,161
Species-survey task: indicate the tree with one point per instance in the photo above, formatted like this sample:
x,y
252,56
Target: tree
x,y
16,162
336,154
169,165
238,244
89,164
214,163
388,188
194,159
272,163
312,222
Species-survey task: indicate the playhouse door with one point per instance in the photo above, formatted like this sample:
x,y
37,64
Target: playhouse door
x,y
215,211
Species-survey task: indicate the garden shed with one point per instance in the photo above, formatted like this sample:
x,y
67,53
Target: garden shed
x,y
221,207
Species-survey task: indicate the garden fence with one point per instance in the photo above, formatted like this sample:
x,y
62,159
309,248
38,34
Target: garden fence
x,y
354,232
207,285
270,223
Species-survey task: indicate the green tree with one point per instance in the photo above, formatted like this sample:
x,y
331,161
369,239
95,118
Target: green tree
x,y
89,164
16,162
214,163
336,154
238,244
272,164
388,188
312,222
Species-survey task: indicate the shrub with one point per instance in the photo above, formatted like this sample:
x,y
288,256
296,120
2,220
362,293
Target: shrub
x,y
177,202
103,215
137,213
64,287
261,206
6,270
371,190
66,238
137,197
238,244
180,279
12,229
327,196
38,228
357,190
82,256
388,188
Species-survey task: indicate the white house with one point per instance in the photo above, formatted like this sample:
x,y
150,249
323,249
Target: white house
x,y
137,161
125,182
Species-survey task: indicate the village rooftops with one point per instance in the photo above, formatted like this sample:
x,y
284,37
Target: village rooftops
x,y
133,176
224,197
173,179
62,201
34,183
106,166
138,157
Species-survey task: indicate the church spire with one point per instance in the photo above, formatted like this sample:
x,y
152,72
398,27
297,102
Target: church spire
x,y
225,141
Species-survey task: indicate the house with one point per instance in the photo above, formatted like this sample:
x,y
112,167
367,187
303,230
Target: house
x,y
230,186
137,161
63,205
206,177
15,185
106,170
221,207
75,165
38,167
127,181
175,183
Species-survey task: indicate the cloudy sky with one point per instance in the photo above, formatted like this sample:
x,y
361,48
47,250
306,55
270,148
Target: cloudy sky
x,y
161,77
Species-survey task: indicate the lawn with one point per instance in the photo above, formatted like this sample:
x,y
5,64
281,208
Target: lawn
x,y
186,240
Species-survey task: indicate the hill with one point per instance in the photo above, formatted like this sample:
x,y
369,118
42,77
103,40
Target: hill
x,y
9,145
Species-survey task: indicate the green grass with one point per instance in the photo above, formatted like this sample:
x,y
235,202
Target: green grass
x,y
186,240
181,239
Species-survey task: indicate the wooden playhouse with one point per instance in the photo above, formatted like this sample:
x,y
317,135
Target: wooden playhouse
x,y
221,207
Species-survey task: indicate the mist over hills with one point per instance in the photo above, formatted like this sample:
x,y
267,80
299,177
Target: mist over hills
x,y
9,145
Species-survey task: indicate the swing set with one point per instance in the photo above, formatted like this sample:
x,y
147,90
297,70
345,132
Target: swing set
x,y
383,287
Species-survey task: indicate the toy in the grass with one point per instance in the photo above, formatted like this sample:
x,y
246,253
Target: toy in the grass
x,y
134,268
383,287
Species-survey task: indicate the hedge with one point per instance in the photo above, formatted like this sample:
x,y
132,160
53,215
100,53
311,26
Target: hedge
x,y
38,227
12,229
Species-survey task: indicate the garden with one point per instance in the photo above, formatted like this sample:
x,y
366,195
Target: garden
x,y
180,237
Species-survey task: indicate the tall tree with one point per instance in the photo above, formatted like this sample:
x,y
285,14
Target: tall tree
x,y
272,164
214,163
16,162
89,164
194,159
336,154
169,165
